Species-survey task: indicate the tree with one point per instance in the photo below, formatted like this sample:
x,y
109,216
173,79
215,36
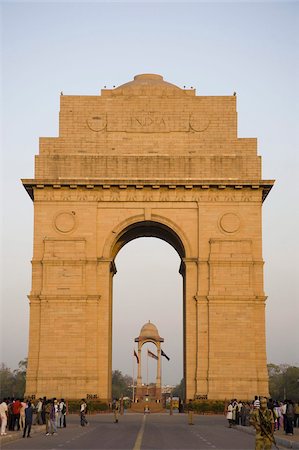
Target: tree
x,y
283,382
12,383
121,385
20,378
179,389
6,381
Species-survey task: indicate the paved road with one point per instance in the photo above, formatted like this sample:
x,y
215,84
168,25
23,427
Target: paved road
x,y
138,432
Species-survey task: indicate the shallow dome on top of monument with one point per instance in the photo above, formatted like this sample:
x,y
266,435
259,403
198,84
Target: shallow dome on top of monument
x,y
149,331
149,83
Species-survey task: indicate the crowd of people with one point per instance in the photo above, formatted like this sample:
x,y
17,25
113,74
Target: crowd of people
x,y
266,416
285,414
19,414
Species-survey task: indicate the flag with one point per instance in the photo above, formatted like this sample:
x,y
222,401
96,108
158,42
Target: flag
x,y
151,354
136,356
164,354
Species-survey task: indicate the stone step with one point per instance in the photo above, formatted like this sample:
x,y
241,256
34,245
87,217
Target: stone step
x,y
153,407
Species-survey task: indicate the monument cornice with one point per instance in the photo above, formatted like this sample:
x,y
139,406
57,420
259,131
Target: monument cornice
x,y
190,183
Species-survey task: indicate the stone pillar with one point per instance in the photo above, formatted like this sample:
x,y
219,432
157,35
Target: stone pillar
x,y
34,345
191,351
158,378
104,360
201,303
139,379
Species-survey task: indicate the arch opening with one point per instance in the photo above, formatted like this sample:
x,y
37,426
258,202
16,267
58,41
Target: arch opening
x,y
157,295
149,228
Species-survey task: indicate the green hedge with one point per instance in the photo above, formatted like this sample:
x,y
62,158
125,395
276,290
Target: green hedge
x,y
92,406
206,406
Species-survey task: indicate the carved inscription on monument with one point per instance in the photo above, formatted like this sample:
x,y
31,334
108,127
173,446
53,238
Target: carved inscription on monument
x,y
148,122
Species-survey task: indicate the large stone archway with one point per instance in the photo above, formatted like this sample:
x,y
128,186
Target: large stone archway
x,y
147,158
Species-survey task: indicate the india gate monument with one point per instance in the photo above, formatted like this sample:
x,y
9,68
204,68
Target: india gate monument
x,y
147,158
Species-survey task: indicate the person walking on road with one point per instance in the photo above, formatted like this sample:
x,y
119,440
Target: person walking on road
x,y
263,422
83,412
116,410
190,412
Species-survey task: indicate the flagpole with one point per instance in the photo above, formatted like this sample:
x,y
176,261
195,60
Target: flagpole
x,y
161,372
133,396
147,371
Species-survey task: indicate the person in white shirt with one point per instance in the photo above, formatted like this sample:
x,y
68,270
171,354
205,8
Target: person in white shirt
x,y
56,407
229,414
22,415
283,410
83,411
3,415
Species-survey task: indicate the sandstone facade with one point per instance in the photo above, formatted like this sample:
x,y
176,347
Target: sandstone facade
x,y
147,159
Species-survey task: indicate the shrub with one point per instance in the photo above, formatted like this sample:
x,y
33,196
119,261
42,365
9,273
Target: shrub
x,y
207,406
93,406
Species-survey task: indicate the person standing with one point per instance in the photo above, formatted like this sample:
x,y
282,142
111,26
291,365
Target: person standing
x,y
262,420
43,413
83,411
3,416
116,410
235,411
28,419
277,415
53,416
284,416
239,412
243,414
62,413
229,414
247,413
48,411
289,418
10,419
39,407
16,407
56,407
22,414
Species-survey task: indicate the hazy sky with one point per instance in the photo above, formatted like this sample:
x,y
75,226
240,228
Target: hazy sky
x,y
77,48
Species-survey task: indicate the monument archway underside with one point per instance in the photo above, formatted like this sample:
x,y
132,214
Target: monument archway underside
x,y
147,159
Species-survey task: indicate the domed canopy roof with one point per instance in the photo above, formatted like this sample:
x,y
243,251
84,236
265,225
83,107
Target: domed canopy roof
x,y
148,79
149,331
148,84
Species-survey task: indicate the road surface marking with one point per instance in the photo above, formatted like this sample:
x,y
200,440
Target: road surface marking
x,y
138,442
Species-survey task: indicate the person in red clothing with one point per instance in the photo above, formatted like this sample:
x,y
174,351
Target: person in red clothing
x,y
16,407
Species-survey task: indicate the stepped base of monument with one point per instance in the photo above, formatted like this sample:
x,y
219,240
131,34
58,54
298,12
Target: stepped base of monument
x,y
147,407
